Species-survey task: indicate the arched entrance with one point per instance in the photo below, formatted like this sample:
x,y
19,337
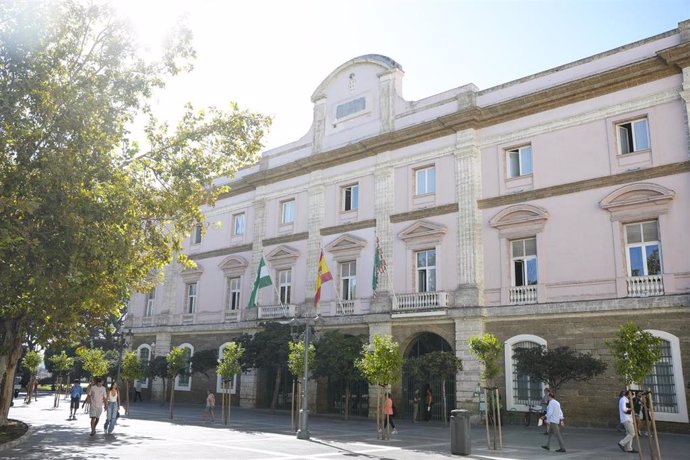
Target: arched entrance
x,y
424,343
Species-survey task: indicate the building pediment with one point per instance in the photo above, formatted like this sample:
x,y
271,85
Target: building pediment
x,y
346,246
638,201
233,265
283,256
423,232
190,275
519,221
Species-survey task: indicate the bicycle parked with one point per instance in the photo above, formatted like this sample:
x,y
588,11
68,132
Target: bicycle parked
x,y
537,410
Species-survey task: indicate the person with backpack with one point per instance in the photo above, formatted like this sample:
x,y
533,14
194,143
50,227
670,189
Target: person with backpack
x,y
75,398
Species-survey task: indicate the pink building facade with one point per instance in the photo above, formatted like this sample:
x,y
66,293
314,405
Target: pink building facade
x,y
547,211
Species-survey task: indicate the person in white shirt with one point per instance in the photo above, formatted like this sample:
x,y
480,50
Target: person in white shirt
x,y
554,417
626,414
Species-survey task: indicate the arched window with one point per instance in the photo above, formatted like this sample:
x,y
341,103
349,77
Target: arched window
x,y
666,381
219,383
144,356
521,391
184,382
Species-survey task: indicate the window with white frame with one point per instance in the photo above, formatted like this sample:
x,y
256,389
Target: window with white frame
x,y
666,381
184,381
350,197
219,380
425,267
191,289
633,136
196,234
522,390
150,302
284,285
425,180
519,161
643,248
287,212
233,294
238,224
348,279
144,357
524,258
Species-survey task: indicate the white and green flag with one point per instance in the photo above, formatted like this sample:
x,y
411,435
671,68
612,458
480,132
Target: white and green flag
x,y
263,279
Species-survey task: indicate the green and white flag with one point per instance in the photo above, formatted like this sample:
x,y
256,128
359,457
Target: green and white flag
x,y
263,279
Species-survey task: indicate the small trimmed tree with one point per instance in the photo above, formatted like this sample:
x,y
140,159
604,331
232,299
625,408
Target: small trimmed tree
x,y
557,366
178,360
132,369
61,364
94,361
488,351
30,362
203,362
158,368
380,363
296,367
445,365
635,353
228,366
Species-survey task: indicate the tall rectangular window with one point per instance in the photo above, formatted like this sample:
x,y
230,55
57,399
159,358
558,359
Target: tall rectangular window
x,y
633,136
233,293
426,270
184,380
350,197
662,381
287,212
150,302
284,285
238,224
526,391
196,234
191,298
643,248
524,256
425,180
519,161
348,280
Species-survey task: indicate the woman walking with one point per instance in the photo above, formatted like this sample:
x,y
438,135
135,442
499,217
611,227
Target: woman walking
x,y
113,398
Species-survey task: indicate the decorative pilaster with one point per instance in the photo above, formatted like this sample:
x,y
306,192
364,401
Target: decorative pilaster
x,y
319,124
383,208
468,190
685,94
315,222
259,206
469,380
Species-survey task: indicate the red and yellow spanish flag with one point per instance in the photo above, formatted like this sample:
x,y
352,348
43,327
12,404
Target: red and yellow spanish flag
x,y
322,275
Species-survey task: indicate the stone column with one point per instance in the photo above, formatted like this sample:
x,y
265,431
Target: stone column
x,y
388,86
685,94
468,380
468,189
259,205
315,221
383,208
319,125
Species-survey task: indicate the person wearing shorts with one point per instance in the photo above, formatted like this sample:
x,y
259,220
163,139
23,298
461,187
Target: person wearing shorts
x,y
98,403
75,399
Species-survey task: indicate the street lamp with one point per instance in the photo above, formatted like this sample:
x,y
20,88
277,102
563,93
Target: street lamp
x,y
303,432
122,346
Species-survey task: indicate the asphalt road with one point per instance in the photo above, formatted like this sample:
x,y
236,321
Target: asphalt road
x,y
147,433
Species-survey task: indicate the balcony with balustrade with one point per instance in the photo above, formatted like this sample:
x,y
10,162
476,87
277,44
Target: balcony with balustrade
x,y
523,295
645,286
420,303
277,311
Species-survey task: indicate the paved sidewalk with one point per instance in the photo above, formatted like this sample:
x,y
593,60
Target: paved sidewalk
x,y
257,434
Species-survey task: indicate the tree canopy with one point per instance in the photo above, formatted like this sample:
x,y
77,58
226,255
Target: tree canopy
x,y
557,366
635,352
381,362
86,213
488,351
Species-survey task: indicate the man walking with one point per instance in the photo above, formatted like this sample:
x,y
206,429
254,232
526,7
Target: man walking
x,y
626,414
137,390
554,418
98,403
75,398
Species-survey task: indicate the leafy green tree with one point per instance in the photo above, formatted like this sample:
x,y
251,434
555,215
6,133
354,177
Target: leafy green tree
x,y
488,351
178,363
61,365
445,365
557,366
296,367
132,369
158,368
31,361
86,213
380,363
336,354
228,366
94,361
203,362
268,348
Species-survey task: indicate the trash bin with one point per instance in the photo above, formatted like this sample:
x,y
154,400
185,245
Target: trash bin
x,y
460,442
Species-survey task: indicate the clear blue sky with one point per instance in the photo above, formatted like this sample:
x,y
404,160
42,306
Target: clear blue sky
x,y
269,56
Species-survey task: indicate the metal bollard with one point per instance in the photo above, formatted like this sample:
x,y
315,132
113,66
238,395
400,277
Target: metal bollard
x,y
460,442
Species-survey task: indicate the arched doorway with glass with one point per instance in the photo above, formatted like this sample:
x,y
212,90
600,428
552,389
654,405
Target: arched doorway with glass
x,y
421,345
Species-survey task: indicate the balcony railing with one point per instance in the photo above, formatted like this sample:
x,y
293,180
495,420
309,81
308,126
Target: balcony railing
x,y
643,286
231,316
276,311
345,307
420,301
521,295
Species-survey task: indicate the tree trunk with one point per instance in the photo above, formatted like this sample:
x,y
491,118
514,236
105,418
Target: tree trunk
x,y
10,350
292,406
498,418
445,407
172,399
126,397
229,396
486,419
347,400
299,404
276,390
